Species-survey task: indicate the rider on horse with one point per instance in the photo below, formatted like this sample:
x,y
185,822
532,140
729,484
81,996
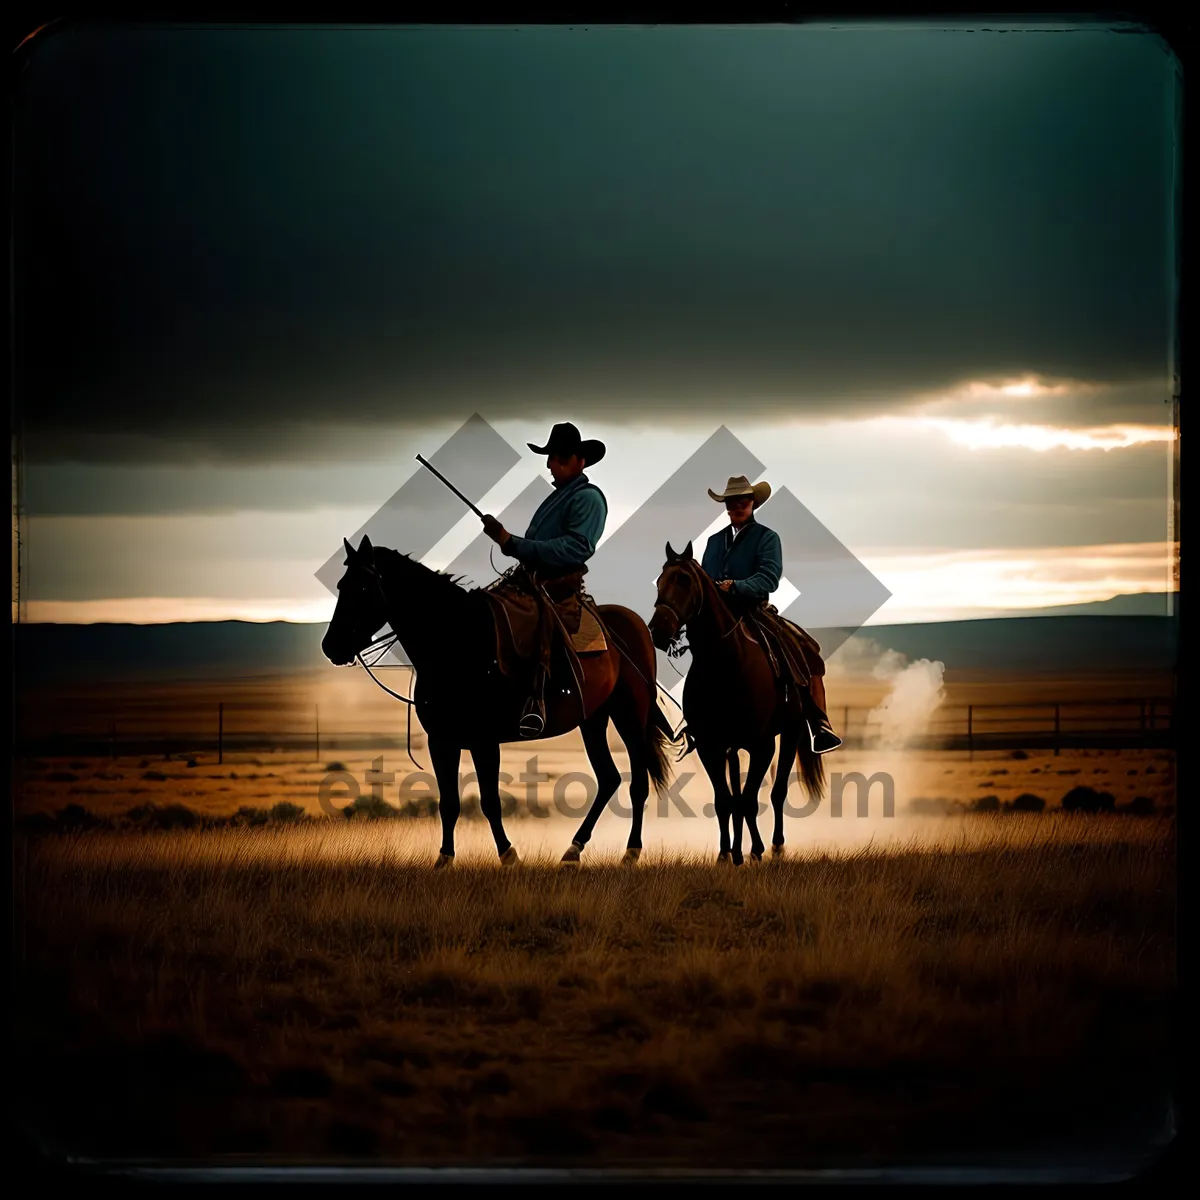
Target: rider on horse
x,y
561,537
746,561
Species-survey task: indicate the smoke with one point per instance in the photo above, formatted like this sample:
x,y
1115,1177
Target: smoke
x,y
915,692
905,713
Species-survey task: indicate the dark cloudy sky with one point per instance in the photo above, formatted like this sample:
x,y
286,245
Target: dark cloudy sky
x,y
247,258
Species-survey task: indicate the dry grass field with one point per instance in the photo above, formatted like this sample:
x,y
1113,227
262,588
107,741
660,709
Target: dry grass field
x,y
210,967
316,994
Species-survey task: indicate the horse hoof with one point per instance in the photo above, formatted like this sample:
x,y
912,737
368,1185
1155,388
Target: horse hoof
x,y
443,860
573,851
725,859
756,856
632,854
510,858
777,851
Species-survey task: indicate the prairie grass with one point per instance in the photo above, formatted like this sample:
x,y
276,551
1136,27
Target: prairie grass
x,y
315,993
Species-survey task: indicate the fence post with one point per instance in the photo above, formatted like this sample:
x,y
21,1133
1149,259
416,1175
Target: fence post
x,y
970,729
1057,731
221,732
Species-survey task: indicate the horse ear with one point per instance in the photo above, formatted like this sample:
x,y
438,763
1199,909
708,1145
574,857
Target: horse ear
x,y
671,555
688,552
366,549
349,550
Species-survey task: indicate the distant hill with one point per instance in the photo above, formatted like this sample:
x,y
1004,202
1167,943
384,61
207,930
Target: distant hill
x,y
1132,604
1060,645
182,650
1035,645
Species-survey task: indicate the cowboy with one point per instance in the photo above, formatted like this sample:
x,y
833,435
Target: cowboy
x,y
561,537
746,561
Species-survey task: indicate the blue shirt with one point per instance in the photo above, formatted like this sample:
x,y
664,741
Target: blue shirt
x,y
563,532
753,560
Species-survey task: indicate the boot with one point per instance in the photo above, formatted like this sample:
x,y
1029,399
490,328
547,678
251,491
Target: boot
x,y
820,730
533,716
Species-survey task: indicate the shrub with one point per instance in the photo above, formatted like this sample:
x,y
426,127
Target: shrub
x,y
75,816
169,816
1139,806
930,806
986,804
1086,799
285,810
1018,754
1028,802
370,807
249,815
36,823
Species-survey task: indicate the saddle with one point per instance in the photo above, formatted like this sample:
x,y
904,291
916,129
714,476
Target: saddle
x,y
789,649
515,608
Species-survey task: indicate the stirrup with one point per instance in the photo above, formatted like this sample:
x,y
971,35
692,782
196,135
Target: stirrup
x,y
532,723
822,739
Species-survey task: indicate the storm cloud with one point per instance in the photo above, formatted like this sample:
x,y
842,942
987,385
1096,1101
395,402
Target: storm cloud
x,y
255,244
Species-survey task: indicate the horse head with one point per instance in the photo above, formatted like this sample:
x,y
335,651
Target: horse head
x,y
680,595
361,610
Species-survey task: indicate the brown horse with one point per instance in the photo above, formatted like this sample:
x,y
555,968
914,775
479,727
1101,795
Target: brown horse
x,y
464,702
732,701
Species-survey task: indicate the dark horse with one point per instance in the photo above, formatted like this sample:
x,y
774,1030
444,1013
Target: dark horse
x,y
464,702
732,701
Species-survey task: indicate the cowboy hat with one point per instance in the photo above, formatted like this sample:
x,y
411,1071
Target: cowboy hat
x,y
739,485
564,439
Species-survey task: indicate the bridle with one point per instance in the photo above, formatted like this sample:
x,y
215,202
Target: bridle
x,y
381,645
379,648
680,621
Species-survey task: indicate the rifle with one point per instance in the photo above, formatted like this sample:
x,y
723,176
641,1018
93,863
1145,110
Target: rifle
x,y
429,466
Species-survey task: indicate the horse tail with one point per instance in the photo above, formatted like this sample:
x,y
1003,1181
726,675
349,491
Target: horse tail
x,y
659,735
812,767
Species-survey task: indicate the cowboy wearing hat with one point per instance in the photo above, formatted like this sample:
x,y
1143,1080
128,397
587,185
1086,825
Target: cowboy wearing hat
x,y
746,561
561,537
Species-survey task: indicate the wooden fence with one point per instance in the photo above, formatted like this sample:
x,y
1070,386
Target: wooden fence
x,y
163,726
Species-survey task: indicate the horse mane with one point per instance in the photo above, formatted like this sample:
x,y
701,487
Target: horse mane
x,y
450,585
395,556
707,583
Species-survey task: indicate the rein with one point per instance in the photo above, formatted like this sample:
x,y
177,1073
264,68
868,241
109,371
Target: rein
x,y
680,622
675,652
382,645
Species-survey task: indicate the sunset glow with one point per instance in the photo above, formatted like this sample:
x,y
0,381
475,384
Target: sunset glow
x,y
925,587
154,610
966,583
1028,387
986,434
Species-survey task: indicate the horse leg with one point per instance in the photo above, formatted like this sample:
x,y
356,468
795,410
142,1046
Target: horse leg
x,y
735,794
631,726
486,756
595,741
761,754
716,766
788,741
445,756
